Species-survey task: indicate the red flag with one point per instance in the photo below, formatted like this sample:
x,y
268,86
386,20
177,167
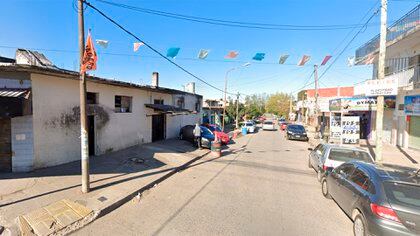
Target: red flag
x,y
326,59
232,54
304,59
89,56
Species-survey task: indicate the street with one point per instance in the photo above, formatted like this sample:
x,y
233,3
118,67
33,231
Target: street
x,y
263,188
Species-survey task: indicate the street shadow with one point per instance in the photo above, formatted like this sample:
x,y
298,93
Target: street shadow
x,y
407,155
370,147
119,166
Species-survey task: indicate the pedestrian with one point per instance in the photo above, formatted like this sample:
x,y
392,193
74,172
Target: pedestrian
x,y
322,129
197,135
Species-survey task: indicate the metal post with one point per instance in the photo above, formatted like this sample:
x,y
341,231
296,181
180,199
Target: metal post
x,y
316,96
237,111
290,105
381,75
83,121
224,101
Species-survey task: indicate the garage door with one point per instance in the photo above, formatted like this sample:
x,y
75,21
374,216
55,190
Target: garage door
x,y
414,139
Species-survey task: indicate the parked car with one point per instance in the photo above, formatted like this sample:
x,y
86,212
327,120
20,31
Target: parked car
x,y
268,125
217,131
326,157
186,133
380,199
296,132
250,126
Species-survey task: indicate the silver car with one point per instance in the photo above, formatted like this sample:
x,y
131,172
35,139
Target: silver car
x,y
325,157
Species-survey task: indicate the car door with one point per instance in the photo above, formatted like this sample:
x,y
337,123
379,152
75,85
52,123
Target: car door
x,y
339,178
313,156
357,186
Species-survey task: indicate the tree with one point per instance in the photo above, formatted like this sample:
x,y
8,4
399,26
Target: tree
x,y
231,110
255,105
278,104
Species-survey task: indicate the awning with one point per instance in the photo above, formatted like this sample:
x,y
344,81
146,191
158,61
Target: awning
x,y
167,108
13,92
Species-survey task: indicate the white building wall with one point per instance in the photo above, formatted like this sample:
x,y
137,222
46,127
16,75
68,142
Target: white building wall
x,y
22,144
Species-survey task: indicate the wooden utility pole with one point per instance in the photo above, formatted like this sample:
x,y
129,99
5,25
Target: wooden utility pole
x,y
84,141
290,106
224,101
381,75
316,95
237,111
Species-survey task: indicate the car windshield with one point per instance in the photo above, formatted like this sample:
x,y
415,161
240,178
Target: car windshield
x,y
268,122
296,128
345,155
404,194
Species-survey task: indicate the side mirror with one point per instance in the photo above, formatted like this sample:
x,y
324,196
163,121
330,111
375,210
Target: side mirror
x,y
310,149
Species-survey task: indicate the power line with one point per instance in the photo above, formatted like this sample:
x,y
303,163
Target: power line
x,y
241,24
153,49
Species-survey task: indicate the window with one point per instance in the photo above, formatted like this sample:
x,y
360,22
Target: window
x,y
404,194
180,102
123,104
91,98
345,155
158,101
197,107
360,178
345,170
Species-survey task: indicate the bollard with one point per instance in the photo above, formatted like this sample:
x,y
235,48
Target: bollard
x,y
216,148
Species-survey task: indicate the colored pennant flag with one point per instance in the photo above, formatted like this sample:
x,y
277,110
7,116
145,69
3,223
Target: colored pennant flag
x,y
283,58
103,43
172,52
326,59
137,45
304,59
259,56
232,54
351,61
203,53
89,56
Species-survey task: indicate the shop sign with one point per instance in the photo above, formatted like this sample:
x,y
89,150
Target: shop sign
x,y
358,104
412,105
350,126
381,87
335,127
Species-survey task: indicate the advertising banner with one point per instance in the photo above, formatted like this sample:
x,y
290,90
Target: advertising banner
x,y
350,126
335,127
412,105
359,104
378,87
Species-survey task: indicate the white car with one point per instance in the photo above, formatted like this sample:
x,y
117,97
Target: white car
x,y
250,126
268,125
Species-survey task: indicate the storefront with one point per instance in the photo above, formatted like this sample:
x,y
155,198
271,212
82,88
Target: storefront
x,y
412,110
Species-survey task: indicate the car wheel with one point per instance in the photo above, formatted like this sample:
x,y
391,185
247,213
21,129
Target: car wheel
x,y
319,176
324,188
359,225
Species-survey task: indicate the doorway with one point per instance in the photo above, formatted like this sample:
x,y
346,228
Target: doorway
x,y
5,145
158,127
91,134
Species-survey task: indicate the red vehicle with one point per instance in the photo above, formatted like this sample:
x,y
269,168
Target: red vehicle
x,y
218,133
283,125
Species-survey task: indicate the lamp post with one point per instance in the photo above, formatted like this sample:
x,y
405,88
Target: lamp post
x,y
224,97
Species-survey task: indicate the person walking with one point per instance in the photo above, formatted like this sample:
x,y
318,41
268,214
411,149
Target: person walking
x,y
197,135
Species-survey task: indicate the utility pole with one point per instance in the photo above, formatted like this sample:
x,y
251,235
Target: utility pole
x,y
290,105
237,111
381,75
316,95
224,101
83,122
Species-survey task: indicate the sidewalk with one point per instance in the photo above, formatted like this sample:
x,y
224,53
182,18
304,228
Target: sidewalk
x,y
391,154
115,178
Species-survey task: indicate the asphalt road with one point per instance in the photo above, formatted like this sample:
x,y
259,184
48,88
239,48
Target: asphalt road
x,y
265,188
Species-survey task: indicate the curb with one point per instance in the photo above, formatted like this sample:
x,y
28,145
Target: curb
x,y
122,201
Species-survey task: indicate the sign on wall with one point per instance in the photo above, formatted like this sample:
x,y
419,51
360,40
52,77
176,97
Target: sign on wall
x,y
360,103
379,87
335,127
350,126
412,105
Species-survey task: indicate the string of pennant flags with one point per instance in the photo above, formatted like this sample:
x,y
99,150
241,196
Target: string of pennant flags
x,y
173,52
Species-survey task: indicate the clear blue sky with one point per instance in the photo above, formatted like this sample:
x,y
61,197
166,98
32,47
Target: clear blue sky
x,y
53,25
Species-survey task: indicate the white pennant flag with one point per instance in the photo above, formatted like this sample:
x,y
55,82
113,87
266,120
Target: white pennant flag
x,y
103,43
136,46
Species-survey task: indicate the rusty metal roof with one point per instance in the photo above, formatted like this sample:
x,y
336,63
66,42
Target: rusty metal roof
x,y
11,92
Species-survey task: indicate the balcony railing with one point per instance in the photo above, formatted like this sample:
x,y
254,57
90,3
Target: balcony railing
x,y
407,77
409,22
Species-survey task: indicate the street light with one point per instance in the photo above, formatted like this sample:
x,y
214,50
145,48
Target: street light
x,y
224,99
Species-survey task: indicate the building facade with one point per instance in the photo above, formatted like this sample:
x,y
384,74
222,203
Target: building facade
x,y
40,115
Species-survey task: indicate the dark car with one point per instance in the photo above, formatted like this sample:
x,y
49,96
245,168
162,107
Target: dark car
x,y
380,199
296,132
186,133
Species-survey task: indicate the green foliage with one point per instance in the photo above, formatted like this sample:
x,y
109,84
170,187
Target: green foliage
x,y
278,104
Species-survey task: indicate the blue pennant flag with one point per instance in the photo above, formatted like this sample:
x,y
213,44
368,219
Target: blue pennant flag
x,y
172,52
259,56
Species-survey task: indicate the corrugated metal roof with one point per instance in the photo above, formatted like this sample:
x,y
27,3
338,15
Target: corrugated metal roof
x,y
9,92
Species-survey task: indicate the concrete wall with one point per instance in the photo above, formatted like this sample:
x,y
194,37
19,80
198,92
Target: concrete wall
x,y
22,144
56,118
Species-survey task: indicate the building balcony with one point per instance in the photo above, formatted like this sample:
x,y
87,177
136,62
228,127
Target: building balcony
x,y
408,78
401,29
